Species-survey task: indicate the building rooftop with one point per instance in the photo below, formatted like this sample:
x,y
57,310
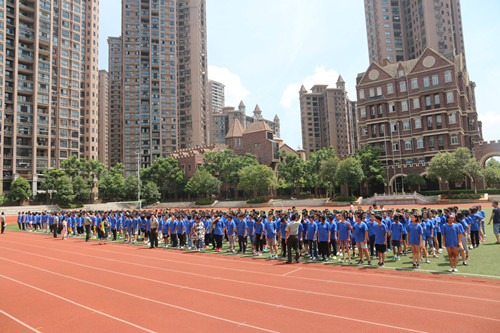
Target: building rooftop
x,y
235,129
257,127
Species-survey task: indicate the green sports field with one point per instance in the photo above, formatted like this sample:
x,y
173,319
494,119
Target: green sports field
x,y
483,260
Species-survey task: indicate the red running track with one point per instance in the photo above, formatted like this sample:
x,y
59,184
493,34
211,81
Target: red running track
x,y
50,285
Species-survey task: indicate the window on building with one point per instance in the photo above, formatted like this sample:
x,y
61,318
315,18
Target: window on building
x,y
416,103
406,125
372,92
395,146
374,130
450,97
402,86
431,142
401,73
418,123
454,139
390,88
447,76
409,161
439,123
394,126
379,91
426,81
388,40
435,80
382,129
452,118
361,94
414,84
364,130
404,105
440,141
388,48
407,144
437,101
392,107
427,102
372,110
362,112
420,143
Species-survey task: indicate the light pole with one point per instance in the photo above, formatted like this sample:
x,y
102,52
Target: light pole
x,y
139,178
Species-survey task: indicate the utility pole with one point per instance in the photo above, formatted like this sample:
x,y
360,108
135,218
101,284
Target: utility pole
x,y
139,178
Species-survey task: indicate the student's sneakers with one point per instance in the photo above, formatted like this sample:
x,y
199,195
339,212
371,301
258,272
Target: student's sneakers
x,y
435,256
427,261
379,263
414,266
451,269
271,256
394,258
334,258
418,266
383,265
465,264
260,254
350,262
455,270
370,263
405,253
440,251
326,259
361,262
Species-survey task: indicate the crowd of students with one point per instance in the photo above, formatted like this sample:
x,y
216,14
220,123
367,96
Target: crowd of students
x,y
322,235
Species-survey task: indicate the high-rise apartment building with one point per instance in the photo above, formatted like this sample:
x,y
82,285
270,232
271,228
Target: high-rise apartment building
x,y
48,85
158,80
399,30
115,120
325,118
216,97
414,109
103,125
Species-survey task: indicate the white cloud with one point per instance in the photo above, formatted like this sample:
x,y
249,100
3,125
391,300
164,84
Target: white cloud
x,y
234,91
290,97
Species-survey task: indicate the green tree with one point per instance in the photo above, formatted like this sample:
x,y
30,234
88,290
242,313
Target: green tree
x,y
166,174
350,172
473,169
257,179
446,168
492,176
65,194
374,172
19,190
414,181
150,192
50,180
291,169
131,187
81,189
313,167
203,183
236,164
111,183
327,173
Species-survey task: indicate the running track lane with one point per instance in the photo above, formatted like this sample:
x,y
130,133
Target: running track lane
x,y
185,283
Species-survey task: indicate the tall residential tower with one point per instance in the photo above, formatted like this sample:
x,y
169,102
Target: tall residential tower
x,y
158,74
48,85
399,30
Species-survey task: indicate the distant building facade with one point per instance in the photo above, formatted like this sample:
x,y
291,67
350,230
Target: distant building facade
x,y
327,119
399,30
414,109
222,120
102,126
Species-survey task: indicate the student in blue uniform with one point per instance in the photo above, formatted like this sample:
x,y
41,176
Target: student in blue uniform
x,y
396,236
451,240
324,238
415,233
380,240
361,238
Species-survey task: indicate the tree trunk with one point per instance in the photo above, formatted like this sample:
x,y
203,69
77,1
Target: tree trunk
x,y
316,191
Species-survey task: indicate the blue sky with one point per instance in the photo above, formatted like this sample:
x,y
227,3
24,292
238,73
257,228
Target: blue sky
x,y
264,50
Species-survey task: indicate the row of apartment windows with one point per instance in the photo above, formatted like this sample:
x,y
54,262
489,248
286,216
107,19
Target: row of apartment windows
x,y
378,91
377,110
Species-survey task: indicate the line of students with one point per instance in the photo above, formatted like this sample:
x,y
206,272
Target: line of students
x,y
321,235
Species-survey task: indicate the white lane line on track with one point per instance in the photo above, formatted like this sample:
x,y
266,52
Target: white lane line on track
x,y
19,321
204,276
195,289
72,302
291,272
419,291
121,292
